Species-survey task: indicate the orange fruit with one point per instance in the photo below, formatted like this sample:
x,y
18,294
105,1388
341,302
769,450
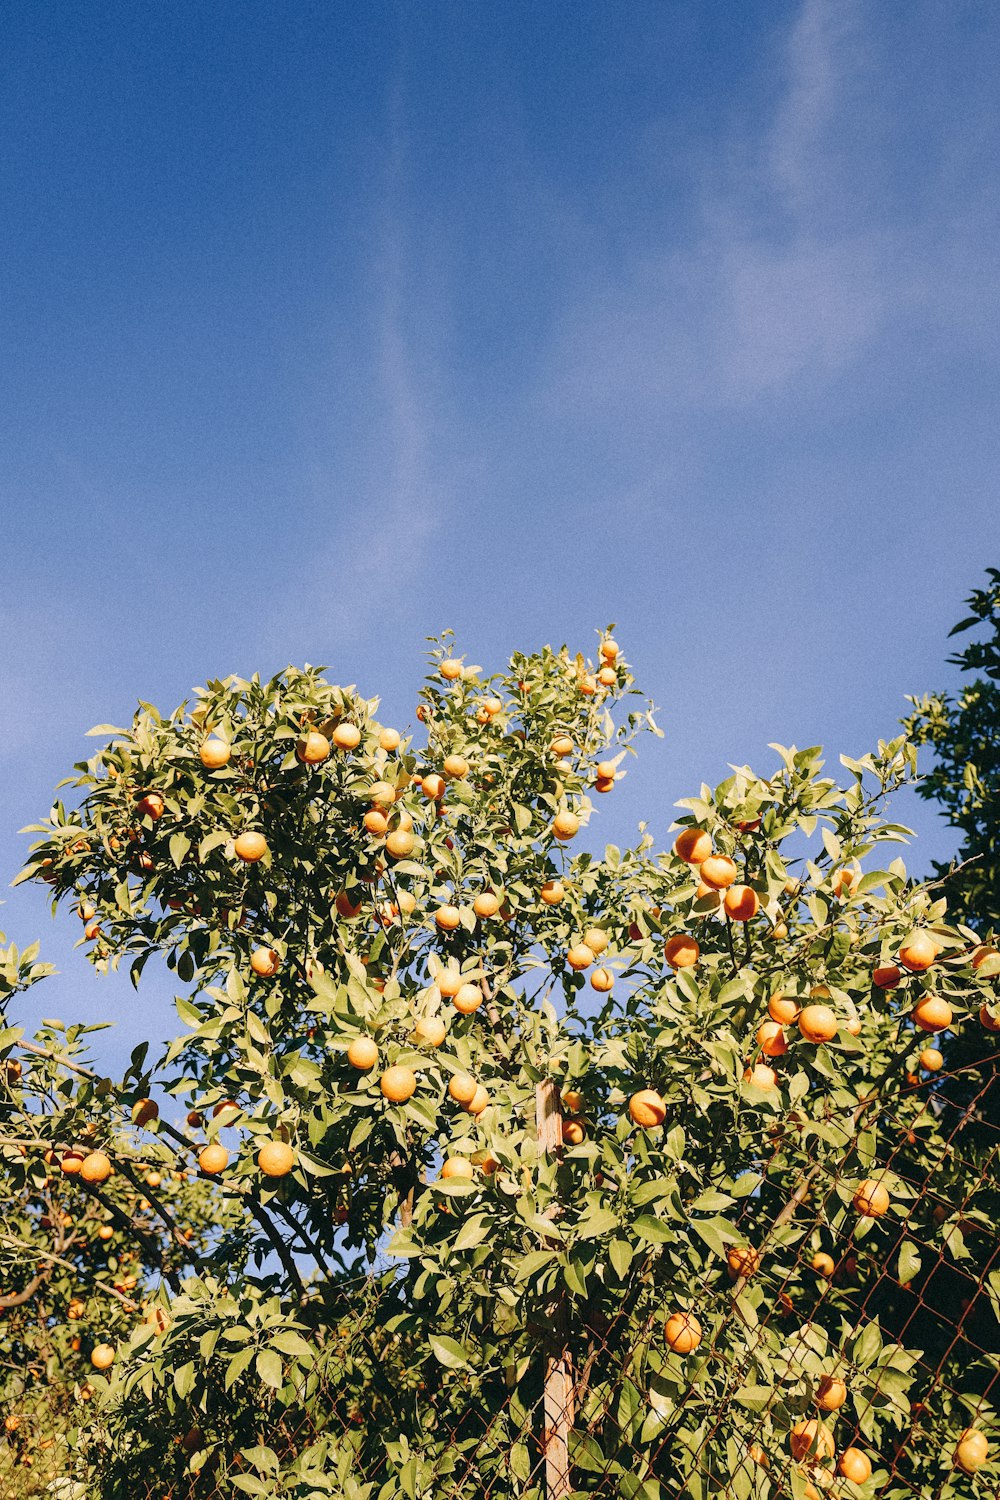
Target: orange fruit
x,y
761,1076
448,918
150,805
682,1332
312,748
602,980
213,1159
782,1008
918,951
92,931
458,1168
345,907
105,1232
742,1260
604,784
818,1023
553,893
887,976
265,962
605,770
580,956
573,1133
429,1031
250,847
153,1179
562,745
449,982
362,1054
346,736
693,845
609,649
741,903
991,1023
400,843
96,1167
398,1084
871,1198
565,825
486,904
647,1108
596,939
456,766
102,1356
275,1158
389,739
932,1060
971,1451
681,951
831,1393
468,999
809,1438
845,880
144,1112
982,953
822,1263
462,1088
855,1466
451,669
71,1163
433,786
376,822
718,872
215,753
607,677
771,1039
932,1013
478,1102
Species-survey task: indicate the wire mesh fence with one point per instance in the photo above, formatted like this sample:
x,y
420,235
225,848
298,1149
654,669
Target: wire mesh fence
x,y
882,1332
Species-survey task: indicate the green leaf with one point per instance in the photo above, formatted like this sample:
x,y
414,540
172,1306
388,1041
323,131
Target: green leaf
x,y
909,1262
269,1368
653,1230
449,1352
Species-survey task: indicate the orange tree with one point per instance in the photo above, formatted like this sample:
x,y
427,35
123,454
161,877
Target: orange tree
x,y
537,1172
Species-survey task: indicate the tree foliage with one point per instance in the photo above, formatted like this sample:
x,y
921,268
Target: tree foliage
x,y
399,976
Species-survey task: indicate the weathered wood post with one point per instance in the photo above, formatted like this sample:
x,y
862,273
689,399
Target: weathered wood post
x,y
558,1402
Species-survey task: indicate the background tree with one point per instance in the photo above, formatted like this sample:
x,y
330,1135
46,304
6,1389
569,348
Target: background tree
x,y
530,1173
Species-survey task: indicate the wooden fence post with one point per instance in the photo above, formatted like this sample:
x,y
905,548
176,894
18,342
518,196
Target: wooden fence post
x,y
558,1402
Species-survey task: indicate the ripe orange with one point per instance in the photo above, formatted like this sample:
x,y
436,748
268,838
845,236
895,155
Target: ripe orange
x,y
312,748
153,1179
607,677
345,907
400,843
362,1054
429,1031
761,1076
855,1465
458,1168
932,1060
486,904
562,745
991,1023
596,940
215,753
433,786
871,1198
972,1451
71,1163
456,766
451,669
92,931
250,847
105,1232
647,1108
602,980
150,805
462,1088
96,1167
822,1263
782,1008
887,976
448,918
213,1159
389,739
682,1332
718,872
580,956
982,953
144,1112
275,1158
565,825
398,1084
553,893
741,903
809,1438
845,880
265,962
742,1260
376,822
831,1393
771,1039
102,1356
681,951
573,1132
932,1013
468,999
605,770
604,784
918,951
818,1023
587,684
449,982
346,736
609,649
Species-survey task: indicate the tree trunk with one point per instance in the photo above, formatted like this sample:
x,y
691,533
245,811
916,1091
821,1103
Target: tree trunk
x,y
558,1398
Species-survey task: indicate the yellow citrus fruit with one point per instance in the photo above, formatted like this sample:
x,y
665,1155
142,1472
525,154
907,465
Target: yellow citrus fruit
x,y
346,736
871,1198
313,748
647,1108
682,1332
362,1053
215,753
250,847
918,951
398,1084
213,1159
718,872
275,1158
265,962
96,1167
681,951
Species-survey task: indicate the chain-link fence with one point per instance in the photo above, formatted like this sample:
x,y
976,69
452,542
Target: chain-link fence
x,y
883,1331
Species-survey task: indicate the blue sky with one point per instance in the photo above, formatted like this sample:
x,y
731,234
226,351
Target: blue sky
x,y
323,327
